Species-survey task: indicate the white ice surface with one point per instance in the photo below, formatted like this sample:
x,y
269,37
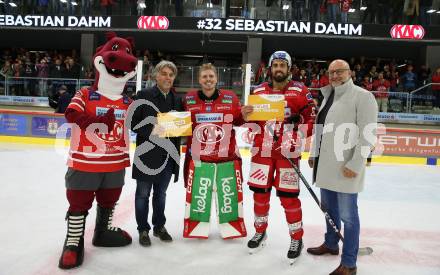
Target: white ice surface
x,y
399,211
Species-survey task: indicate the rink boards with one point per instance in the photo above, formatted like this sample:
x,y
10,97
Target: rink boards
x,y
400,146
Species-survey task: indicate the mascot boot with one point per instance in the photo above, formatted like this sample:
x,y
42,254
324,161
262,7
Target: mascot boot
x,y
73,250
105,234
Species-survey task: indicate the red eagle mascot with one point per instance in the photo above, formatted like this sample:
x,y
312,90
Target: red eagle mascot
x,y
99,150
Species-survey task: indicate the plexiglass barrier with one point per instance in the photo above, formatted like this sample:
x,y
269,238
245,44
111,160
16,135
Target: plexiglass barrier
x,y
424,100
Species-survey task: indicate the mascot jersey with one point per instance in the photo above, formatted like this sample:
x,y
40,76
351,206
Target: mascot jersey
x,y
99,151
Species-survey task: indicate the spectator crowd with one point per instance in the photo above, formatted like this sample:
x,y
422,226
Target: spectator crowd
x,y
376,75
42,73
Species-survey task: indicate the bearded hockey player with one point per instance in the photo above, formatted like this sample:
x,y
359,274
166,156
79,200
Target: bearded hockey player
x,y
212,162
99,150
275,142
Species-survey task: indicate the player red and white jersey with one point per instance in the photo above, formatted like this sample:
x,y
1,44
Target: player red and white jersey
x,y
299,110
213,138
93,151
381,88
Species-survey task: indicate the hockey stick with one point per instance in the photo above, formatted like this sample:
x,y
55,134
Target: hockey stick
x,y
362,250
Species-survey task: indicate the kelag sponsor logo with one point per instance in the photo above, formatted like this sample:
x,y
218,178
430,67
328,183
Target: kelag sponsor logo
x,y
200,198
227,189
153,23
407,32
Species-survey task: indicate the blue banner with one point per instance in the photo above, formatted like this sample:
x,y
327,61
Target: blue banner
x,y
13,125
48,126
405,117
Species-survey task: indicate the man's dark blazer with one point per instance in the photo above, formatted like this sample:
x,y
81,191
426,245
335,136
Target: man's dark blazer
x,y
154,158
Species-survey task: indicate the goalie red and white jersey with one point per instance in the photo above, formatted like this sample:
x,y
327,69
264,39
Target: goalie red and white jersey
x,y
98,151
213,138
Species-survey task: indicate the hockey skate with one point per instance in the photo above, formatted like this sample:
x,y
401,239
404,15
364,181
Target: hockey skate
x,y
257,242
294,250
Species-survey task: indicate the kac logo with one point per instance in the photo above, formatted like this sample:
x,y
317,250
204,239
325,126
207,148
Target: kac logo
x,y
407,32
209,133
153,23
115,135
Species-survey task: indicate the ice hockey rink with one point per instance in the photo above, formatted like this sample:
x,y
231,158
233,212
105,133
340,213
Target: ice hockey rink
x,y
399,211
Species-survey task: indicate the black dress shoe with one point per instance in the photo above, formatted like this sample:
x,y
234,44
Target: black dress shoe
x,y
144,239
162,234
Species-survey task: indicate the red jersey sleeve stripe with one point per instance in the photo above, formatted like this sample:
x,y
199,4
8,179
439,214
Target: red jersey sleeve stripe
x,y
78,100
76,106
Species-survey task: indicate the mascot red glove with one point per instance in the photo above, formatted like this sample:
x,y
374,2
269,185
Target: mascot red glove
x,y
99,150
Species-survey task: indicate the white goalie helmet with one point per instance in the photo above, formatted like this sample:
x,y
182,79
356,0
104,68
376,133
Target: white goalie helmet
x,y
283,55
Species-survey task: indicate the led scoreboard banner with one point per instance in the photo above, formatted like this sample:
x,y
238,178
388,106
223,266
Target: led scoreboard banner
x,y
257,27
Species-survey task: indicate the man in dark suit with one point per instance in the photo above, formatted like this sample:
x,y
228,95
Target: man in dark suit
x,y
156,159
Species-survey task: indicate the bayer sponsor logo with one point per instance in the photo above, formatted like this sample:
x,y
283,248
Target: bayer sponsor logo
x,y
209,133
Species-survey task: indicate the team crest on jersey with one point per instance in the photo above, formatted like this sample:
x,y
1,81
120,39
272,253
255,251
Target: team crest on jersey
x,y
126,100
115,135
209,133
94,96
309,96
208,108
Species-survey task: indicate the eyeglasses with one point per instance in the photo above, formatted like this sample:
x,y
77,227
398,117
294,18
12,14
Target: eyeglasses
x,y
338,71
